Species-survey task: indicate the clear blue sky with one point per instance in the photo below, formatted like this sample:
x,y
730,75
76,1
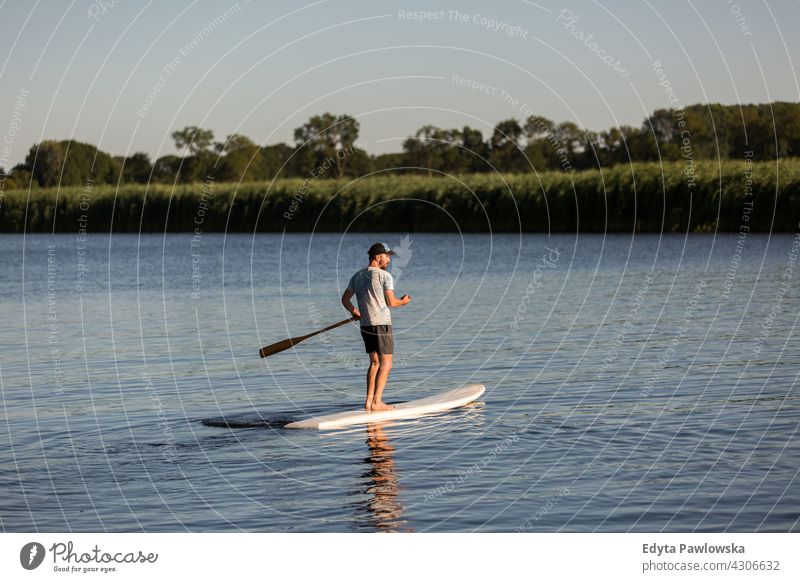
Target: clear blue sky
x,y
265,67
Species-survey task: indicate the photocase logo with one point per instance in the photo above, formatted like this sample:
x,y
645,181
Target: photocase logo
x,y
402,256
31,555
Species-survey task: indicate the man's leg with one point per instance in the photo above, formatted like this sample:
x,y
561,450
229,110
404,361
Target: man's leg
x,y
372,371
380,382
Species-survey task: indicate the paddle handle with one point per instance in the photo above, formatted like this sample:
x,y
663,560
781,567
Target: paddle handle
x,y
335,325
293,341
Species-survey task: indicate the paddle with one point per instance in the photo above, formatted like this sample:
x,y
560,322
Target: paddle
x,y
288,343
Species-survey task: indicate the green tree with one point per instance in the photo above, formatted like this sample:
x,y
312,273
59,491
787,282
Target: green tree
x,y
277,161
709,126
420,151
787,118
137,168
589,151
166,169
200,162
538,127
613,145
45,162
233,142
20,177
388,161
475,150
193,139
506,147
570,136
359,163
448,143
324,136
244,163
433,148
69,163
541,143
662,124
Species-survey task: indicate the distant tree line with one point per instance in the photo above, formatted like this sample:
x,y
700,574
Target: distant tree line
x,y
732,196
326,147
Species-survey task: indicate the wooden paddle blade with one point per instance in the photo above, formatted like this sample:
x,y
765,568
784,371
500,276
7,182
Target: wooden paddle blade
x,y
279,346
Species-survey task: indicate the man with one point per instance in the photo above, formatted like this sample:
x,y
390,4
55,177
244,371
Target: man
x,y
373,287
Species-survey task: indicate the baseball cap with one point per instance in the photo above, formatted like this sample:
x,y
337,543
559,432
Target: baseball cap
x,y
379,248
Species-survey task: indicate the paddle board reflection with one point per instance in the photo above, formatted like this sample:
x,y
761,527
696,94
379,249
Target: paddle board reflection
x,y
383,506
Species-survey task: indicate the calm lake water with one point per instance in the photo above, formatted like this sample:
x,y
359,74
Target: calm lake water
x,y
643,383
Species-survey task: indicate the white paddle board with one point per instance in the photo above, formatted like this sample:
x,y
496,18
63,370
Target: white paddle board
x,y
411,409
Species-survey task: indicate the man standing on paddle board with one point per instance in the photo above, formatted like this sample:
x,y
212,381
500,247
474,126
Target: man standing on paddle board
x,y
373,287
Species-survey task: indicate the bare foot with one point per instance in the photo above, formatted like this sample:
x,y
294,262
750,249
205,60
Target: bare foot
x,y
381,406
368,406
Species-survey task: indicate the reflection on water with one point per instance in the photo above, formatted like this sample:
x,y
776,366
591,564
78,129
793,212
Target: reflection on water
x,y
383,504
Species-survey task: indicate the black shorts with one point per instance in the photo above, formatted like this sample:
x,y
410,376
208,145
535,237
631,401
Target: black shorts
x,y
378,338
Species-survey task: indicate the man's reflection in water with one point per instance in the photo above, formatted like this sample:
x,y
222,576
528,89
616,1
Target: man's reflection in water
x,y
384,506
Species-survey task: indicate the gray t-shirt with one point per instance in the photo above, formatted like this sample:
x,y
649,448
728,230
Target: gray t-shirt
x,y
369,285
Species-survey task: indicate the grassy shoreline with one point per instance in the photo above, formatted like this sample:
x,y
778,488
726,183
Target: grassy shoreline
x,y
648,197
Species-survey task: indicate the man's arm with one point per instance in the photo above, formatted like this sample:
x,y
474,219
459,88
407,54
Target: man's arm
x,y
346,297
393,301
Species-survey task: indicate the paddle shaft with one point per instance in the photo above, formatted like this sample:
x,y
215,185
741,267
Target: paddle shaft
x,y
292,341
